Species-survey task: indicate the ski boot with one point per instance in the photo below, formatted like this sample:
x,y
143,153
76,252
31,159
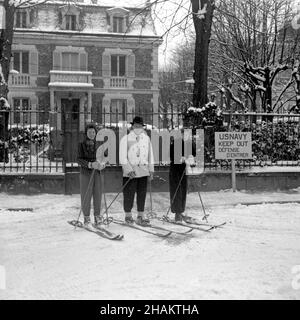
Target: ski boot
x,y
98,221
128,218
144,222
87,223
178,217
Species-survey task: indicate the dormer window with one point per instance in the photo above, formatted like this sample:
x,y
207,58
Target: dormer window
x,y
117,18
70,17
118,24
70,22
21,19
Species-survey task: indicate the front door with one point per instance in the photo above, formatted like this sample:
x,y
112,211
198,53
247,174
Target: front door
x,y
70,125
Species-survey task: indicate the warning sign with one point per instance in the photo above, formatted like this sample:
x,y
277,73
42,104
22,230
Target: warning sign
x,y
233,145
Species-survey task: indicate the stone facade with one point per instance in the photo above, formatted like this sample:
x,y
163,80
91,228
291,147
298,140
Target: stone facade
x,y
84,58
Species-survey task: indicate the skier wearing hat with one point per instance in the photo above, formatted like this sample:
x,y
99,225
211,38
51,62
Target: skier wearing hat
x,y
136,158
90,180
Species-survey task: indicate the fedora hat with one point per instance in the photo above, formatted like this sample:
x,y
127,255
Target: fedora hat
x,y
138,120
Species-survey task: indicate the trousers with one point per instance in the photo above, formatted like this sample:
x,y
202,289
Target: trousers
x,y
89,189
136,186
179,197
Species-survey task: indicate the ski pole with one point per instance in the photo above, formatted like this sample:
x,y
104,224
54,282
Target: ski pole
x,y
105,221
123,187
203,208
151,214
150,189
84,198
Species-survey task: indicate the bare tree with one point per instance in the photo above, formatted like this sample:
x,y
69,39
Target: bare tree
x,y
202,16
184,15
6,39
252,46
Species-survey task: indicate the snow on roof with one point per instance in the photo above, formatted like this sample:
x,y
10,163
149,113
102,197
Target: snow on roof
x,y
106,3
95,20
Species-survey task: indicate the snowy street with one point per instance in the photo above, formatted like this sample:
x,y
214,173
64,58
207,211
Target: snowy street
x,y
250,258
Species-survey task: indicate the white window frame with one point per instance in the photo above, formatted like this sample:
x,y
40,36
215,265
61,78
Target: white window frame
x,y
117,12
119,102
70,10
120,24
23,116
21,61
107,102
20,11
21,104
69,22
118,65
70,61
59,50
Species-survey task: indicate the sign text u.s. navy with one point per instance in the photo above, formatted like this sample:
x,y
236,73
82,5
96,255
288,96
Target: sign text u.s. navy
x,y
233,145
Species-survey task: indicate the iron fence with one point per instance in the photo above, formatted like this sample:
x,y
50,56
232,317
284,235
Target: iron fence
x,y
45,141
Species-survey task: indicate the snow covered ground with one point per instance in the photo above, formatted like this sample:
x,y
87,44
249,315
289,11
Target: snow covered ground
x,y
250,258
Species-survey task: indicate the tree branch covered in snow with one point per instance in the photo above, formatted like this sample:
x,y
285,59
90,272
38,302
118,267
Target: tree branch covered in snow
x,y
278,69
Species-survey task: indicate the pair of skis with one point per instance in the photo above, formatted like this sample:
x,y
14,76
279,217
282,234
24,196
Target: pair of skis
x,y
192,221
189,223
100,231
153,229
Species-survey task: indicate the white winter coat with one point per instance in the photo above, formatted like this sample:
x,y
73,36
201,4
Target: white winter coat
x,y
136,154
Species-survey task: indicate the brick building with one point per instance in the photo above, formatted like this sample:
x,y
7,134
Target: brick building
x,y
98,58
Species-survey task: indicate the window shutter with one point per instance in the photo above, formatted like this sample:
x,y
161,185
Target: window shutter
x,y
56,61
33,63
83,61
105,65
131,66
31,16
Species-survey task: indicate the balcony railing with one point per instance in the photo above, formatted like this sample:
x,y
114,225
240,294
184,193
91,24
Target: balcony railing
x,y
71,78
118,82
20,80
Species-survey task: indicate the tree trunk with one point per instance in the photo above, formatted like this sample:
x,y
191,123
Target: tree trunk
x,y
203,32
5,47
6,38
268,94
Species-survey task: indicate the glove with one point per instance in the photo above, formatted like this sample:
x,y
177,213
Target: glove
x,y
131,174
190,161
97,165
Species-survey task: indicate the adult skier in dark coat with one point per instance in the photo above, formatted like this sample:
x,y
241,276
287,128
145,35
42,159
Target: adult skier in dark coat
x,y
178,178
90,179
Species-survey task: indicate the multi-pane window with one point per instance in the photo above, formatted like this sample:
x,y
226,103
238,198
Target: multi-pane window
x,y
118,65
70,61
70,21
21,61
21,19
20,105
118,110
118,24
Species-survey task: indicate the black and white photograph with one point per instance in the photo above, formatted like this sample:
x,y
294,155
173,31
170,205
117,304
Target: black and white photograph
x,y
149,150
